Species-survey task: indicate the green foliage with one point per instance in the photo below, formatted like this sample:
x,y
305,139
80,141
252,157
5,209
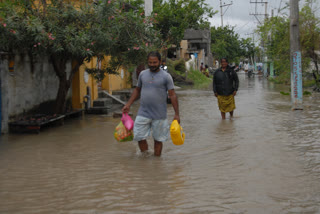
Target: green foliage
x,y
200,80
309,83
180,65
276,36
307,93
171,67
68,33
176,66
226,43
284,93
76,33
173,17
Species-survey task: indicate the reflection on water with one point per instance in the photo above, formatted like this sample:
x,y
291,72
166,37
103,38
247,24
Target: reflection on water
x,y
265,160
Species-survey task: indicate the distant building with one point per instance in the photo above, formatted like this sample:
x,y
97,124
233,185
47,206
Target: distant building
x,y
197,43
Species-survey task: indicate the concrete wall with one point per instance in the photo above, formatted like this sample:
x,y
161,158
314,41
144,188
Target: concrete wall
x,y
4,72
184,50
198,41
26,86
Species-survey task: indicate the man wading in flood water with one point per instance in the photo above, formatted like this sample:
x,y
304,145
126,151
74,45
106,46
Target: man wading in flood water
x,y
225,87
152,88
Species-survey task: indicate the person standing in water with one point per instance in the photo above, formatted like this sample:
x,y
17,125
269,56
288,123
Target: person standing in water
x,y
152,87
225,87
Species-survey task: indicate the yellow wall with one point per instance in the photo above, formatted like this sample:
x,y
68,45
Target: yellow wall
x,y
79,86
116,82
184,49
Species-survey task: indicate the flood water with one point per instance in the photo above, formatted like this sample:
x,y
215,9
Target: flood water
x,y
265,160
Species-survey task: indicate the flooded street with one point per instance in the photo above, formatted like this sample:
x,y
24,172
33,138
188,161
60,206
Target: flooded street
x,y
265,160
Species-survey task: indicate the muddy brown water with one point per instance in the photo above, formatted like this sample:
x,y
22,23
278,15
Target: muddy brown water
x,y
265,160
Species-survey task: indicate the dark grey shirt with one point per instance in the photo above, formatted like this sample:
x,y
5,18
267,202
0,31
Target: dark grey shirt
x,y
153,98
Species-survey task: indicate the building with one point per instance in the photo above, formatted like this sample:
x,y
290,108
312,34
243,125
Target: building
x,y
197,43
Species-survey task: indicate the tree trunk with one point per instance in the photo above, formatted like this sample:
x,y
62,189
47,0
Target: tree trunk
x,y
315,61
59,65
60,104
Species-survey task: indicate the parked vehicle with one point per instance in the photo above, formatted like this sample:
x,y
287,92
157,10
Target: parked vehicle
x,y
250,72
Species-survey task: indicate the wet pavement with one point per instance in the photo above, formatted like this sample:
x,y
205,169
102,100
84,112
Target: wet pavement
x,y
265,160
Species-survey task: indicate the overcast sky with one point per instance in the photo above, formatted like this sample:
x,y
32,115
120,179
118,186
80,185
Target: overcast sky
x,y
238,14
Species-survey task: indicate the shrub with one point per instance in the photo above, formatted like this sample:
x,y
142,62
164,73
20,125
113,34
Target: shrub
x,y
200,80
180,65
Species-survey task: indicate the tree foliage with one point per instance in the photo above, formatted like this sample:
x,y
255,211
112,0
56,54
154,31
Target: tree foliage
x,y
173,17
74,33
275,33
226,43
310,38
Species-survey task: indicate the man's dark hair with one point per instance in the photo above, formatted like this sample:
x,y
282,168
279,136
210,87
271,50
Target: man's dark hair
x,y
224,59
155,54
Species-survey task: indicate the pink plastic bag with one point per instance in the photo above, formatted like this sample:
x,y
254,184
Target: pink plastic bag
x,y
127,121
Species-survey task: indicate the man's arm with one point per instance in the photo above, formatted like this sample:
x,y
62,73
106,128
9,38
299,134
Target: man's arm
x,y
236,82
214,87
175,104
135,95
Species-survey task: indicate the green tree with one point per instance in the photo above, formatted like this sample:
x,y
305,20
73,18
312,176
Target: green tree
x,y
247,48
69,33
226,43
276,36
173,17
310,37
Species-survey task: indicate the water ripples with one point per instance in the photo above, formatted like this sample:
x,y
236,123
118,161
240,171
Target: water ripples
x,y
264,160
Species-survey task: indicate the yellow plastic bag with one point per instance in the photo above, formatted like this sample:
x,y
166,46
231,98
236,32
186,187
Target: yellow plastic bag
x,y
121,134
177,134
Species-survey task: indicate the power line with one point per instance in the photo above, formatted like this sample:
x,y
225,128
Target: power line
x,y
221,10
256,14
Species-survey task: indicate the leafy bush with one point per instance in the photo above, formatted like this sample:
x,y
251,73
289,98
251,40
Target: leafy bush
x,y
200,80
309,83
177,67
284,93
306,93
180,65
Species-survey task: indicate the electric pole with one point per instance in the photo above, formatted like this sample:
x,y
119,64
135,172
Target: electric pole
x,y
295,57
254,57
221,10
148,7
256,14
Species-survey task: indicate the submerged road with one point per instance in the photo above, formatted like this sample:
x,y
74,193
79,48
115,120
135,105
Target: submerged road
x,y
265,160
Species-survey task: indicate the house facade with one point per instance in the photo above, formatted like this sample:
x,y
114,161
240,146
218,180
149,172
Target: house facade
x,y
197,43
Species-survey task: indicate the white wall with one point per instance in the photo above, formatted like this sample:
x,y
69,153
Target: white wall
x,y
26,87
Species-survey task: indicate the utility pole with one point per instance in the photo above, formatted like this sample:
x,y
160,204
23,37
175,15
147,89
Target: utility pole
x,y
254,57
295,57
221,10
256,14
148,7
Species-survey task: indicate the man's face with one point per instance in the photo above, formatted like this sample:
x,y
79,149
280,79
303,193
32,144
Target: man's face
x,y
153,63
224,63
